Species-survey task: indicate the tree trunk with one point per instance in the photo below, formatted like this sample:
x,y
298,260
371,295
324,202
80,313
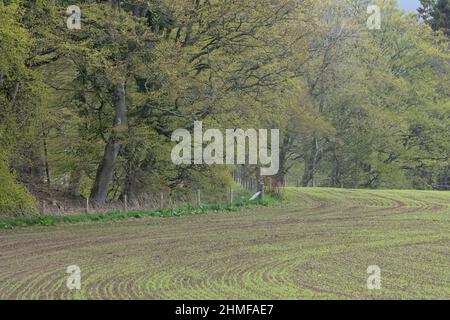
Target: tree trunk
x,y
75,183
132,170
47,167
310,165
336,169
281,175
282,169
130,189
106,168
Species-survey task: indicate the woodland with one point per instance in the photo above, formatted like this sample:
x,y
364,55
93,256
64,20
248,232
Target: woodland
x,y
89,112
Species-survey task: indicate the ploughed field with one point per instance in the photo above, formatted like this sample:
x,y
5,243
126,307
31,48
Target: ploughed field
x,y
318,245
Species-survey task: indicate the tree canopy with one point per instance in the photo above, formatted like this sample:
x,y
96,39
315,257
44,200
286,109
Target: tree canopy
x,y
89,112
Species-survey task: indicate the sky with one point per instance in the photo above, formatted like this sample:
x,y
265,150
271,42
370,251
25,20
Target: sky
x,y
409,5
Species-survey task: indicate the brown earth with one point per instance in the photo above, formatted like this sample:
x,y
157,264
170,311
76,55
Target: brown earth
x,y
318,245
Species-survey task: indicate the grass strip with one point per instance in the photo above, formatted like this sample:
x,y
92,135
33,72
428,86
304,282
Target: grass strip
x,y
15,222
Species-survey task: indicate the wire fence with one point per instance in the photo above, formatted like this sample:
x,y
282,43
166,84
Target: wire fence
x,y
161,200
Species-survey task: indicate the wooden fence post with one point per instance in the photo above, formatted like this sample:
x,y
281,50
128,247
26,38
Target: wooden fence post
x,y
162,200
87,205
43,208
231,196
199,200
125,203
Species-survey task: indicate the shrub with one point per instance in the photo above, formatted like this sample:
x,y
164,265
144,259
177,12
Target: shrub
x,y
14,198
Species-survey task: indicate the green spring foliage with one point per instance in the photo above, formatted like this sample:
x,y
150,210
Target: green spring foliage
x,y
356,108
14,198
